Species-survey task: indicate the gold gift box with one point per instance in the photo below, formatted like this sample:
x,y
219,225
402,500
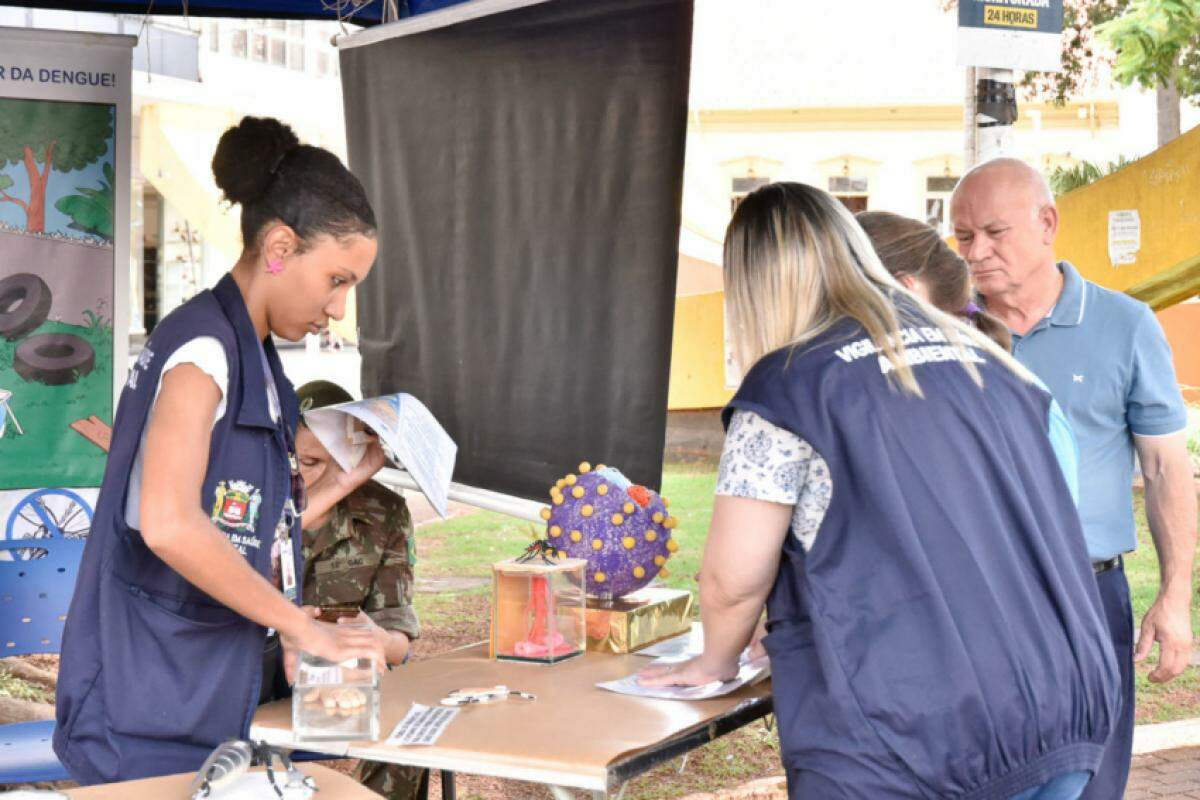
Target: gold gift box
x,y
637,620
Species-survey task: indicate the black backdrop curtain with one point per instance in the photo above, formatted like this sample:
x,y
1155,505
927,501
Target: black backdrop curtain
x,y
526,169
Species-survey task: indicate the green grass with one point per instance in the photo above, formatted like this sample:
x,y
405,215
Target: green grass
x,y
49,453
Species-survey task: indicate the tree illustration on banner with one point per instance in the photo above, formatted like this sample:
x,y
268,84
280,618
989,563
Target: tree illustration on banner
x,y
69,138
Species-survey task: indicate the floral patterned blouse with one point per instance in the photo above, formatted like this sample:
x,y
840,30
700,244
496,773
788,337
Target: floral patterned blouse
x,y
761,461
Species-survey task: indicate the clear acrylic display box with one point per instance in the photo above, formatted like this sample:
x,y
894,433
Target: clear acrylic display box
x,y
335,701
538,610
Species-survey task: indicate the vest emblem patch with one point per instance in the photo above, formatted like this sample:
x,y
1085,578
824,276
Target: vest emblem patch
x,y
236,506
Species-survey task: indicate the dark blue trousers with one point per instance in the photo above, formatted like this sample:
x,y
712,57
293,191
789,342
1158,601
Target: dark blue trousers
x,y
1110,779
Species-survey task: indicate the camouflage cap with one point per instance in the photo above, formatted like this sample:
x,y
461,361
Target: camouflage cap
x,y
318,394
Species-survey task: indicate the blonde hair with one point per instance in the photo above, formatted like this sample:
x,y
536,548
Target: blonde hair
x,y
796,263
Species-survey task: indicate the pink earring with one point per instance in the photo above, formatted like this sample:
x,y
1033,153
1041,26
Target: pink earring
x,y
274,266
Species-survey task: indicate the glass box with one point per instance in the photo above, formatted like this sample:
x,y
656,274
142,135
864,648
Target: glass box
x,y
538,610
335,701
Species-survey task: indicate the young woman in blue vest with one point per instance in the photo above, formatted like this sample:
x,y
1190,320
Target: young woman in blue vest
x,y
189,583
888,489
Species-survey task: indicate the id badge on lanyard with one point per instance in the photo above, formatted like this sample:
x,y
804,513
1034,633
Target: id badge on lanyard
x,y
293,507
287,556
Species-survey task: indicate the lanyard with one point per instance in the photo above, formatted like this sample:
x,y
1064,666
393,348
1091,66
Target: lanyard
x,y
284,569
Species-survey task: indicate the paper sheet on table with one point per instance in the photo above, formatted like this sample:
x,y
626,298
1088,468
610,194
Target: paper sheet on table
x,y
687,644
422,725
750,672
411,438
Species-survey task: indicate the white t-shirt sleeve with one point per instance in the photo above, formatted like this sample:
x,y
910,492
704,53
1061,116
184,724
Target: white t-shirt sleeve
x,y
761,461
206,353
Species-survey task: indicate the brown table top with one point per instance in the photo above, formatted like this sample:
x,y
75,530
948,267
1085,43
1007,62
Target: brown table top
x,y
570,735
332,785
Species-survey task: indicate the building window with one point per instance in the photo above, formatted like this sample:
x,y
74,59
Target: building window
x,y
238,42
852,191
258,51
743,186
214,37
296,56
937,201
278,52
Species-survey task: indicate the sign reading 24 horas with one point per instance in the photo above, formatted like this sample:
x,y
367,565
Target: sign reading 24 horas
x,y
1011,34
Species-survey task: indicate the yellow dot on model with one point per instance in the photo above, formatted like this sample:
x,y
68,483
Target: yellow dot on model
x,y
617,519
672,545
639,572
599,466
560,483
585,468
570,479
599,577
651,535
577,492
576,536
670,522
602,489
558,499
597,544
657,517
662,573
628,508
555,530
666,503
659,561
562,553
586,511
546,514
629,542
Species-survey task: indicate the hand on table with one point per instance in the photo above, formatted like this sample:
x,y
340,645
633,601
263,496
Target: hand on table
x,y
696,671
332,642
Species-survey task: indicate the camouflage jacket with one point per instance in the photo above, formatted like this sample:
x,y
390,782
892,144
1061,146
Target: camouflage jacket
x,y
364,555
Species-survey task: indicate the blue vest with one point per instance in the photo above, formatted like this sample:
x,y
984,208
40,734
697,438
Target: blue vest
x,y
154,672
943,636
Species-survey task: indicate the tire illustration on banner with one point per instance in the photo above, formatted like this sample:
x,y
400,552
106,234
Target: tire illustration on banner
x,y
24,304
55,359
58,169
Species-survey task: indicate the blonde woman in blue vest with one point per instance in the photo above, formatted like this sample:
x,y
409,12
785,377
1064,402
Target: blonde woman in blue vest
x,y
934,627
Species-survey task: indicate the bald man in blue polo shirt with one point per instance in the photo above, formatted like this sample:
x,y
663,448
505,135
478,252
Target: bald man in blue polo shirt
x,y
1105,359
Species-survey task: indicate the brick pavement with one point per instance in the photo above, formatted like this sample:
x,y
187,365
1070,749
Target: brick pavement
x,y
1166,775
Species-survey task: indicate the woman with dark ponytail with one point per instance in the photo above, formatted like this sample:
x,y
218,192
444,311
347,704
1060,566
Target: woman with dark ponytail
x,y
186,608
918,257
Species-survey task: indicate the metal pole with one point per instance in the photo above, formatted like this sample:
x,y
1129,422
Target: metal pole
x,y
488,500
995,113
970,149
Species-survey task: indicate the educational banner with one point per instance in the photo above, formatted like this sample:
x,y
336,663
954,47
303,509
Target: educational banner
x,y
1011,34
526,169
64,271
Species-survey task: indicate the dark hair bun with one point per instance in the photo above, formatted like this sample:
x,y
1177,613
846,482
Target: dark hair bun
x,y
248,156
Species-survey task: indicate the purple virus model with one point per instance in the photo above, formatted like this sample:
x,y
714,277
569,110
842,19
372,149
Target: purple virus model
x,y
623,530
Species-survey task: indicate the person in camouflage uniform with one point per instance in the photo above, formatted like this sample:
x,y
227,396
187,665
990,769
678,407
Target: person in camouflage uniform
x,y
361,555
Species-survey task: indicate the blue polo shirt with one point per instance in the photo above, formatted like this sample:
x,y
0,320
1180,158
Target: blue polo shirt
x,y
1107,362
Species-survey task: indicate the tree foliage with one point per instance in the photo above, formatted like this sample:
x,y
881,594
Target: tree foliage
x,y
78,131
1157,42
